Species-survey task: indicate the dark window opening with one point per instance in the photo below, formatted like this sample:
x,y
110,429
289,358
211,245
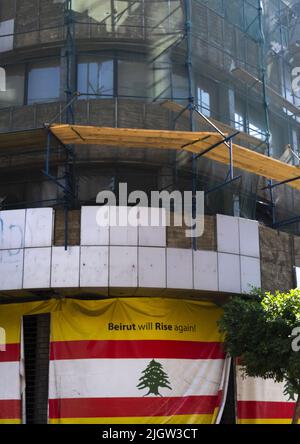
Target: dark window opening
x,y
36,351
264,211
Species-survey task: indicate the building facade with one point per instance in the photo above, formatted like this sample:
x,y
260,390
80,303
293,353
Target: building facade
x,y
228,68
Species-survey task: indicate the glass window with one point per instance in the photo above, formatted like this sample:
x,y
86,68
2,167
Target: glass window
x,y
133,79
95,78
257,132
6,35
238,122
43,82
12,93
203,101
256,121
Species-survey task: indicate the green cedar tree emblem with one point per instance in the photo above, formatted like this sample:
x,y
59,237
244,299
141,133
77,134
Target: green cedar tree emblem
x,y
153,378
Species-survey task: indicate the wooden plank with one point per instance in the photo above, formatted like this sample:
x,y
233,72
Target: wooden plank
x,y
244,158
128,137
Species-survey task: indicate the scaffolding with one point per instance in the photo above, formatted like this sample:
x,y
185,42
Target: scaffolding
x,y
176,40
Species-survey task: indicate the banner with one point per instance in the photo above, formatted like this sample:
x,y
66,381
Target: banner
x,y
135,360
12,377
261,401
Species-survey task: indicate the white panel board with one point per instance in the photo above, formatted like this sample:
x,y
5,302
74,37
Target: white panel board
x,y
11,269
179,268
228,234
124,226
250,273
249,238
37,267
152,267
123,267
298,277
206,270
39,227
95,225
94,267
65,267
12,229
152,227
229,273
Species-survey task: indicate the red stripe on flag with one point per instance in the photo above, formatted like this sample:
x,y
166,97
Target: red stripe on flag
x,y
130,407
136,349
265,410
10,409
12,353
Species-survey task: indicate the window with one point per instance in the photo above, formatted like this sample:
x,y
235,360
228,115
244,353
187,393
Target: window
x,y
257,132
12,93
6,35
43,82
95,78
98,77
256,121
132,81
203,101
238,122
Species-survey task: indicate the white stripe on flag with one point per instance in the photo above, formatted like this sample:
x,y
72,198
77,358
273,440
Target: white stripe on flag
x,y
10,387
258,389
109,378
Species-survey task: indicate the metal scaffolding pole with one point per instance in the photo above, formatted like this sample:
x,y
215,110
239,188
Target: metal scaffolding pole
x,y
191,91
70,55
262,41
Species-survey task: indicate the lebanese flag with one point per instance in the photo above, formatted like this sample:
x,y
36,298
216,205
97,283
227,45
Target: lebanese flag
x,y
147,377
261,401
12,371
10,385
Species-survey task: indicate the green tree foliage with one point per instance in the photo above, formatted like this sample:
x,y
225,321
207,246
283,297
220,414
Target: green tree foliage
x,y
153,378
259,330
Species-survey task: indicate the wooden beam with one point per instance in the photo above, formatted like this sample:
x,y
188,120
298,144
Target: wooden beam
x,y
243,158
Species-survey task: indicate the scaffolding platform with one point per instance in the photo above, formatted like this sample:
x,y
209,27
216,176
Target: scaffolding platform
x,y
210,144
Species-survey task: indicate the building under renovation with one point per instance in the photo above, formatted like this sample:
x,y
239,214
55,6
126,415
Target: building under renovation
x,y
160,95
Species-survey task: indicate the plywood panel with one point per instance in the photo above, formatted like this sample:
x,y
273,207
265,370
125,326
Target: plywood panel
x,y
195,142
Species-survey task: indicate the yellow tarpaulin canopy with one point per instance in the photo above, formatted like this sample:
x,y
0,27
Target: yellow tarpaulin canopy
x,y
195,142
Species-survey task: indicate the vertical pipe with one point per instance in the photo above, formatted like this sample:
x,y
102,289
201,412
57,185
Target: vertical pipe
x,y
70,90
191,91
70,60
48,152
265,97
